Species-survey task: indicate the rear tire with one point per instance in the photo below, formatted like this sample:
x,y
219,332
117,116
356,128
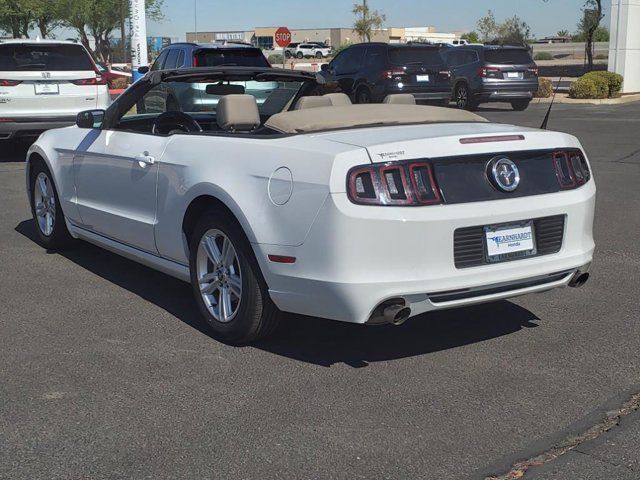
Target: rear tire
x,y
464,98
299,55
363,95
287,54
318,55
51,227
520,105
227,283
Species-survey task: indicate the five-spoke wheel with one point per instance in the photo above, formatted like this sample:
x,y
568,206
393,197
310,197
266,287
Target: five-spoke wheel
x,y
219,276
227,282
44,203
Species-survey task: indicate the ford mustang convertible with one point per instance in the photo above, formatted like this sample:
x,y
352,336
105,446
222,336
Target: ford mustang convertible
x,y
305,203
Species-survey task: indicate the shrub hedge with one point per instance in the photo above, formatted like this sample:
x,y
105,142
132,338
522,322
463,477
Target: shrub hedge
x,y
596,85
275,59
545,88
543,56
614,81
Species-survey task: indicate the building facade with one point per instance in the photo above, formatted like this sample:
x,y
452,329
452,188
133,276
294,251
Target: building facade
x,y
263,37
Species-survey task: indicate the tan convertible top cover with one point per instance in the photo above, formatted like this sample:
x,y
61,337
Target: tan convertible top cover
x,y
333,118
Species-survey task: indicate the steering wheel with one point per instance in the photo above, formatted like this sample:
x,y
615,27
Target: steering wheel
x,y
172,122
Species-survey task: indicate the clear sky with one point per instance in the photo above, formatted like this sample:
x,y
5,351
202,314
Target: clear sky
x,y
545,18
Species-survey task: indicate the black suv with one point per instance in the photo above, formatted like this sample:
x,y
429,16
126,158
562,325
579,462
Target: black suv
x,y
492,73
187,55
368,72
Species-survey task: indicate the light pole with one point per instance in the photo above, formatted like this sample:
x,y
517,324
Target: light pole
x,y
195,18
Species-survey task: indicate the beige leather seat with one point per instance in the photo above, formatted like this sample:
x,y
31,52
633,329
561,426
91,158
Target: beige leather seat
x,y
305,103
238,113
400,99
338,99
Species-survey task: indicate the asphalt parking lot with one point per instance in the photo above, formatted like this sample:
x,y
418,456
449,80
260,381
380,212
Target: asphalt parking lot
x,y
106,373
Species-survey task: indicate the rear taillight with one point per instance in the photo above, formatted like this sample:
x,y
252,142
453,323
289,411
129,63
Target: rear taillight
x,y
98,80
390,74
405,183
9,83
571,168
445,74
490,72
196,62
533,71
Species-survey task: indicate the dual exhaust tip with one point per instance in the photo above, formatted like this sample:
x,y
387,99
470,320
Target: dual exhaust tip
x,y
392,312
397,311
579,279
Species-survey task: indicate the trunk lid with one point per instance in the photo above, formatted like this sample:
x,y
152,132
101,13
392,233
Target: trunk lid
x,y
391,144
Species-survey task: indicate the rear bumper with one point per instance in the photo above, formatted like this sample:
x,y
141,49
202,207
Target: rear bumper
x,y
357,257
32,127
431,93
507,91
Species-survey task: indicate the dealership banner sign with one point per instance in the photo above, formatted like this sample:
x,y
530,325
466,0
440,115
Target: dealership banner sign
x,y
138,37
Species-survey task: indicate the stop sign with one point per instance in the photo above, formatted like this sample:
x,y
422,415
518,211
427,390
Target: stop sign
x,y
283,37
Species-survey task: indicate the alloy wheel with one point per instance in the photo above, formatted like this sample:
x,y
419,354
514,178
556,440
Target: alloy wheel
x,y
219,275
44,201
462,97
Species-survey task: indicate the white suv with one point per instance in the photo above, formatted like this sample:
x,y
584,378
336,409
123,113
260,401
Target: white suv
x,y
44,84
312,50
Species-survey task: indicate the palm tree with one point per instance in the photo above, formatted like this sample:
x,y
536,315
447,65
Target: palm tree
x,y
366,20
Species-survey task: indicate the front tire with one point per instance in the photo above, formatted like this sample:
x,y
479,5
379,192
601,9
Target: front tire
x,y
51,227
520,105
230,291
300,55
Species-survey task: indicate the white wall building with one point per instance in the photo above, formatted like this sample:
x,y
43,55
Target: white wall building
x,y
624,47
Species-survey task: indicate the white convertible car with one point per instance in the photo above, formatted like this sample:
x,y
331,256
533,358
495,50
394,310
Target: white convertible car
x,y
308,204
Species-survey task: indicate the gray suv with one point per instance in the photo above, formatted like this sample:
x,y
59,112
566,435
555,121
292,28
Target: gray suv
x,y
492,73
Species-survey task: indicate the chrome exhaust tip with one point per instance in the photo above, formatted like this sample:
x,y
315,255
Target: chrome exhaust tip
x,y
579,279
394,312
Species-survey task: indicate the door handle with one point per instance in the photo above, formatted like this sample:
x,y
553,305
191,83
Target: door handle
x,y
145,159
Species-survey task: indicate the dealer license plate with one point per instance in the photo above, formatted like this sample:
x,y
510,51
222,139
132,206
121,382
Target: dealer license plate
x,y
422,78
506,242
47,89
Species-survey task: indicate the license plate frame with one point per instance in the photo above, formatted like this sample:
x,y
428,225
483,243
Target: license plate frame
x,y
515,75
47,89
519,241
423,78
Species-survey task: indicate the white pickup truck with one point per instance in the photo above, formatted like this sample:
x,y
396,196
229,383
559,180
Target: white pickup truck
x,y
304,50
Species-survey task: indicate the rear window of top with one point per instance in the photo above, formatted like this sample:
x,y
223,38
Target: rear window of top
x,y
508,56
407,55
50,58
242,57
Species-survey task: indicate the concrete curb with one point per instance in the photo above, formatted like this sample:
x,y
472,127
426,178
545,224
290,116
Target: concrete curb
x,y
564,98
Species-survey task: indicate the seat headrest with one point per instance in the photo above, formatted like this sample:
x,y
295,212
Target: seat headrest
x,y
238,113
400,99
312,102
338,99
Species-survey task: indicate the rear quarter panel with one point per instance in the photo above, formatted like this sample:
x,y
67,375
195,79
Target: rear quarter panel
x,y
240,173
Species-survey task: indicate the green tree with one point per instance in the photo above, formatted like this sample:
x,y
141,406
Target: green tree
x,y
471,37
514,30
487,26
99,19
366,20
592,15
16,17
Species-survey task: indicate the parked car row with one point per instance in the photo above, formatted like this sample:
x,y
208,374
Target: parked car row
x,y
468,74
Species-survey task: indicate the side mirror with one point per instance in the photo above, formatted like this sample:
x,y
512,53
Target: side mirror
x,y
143,70
90,119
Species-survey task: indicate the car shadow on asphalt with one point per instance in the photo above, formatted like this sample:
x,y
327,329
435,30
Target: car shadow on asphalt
x,y
312,340
13,151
